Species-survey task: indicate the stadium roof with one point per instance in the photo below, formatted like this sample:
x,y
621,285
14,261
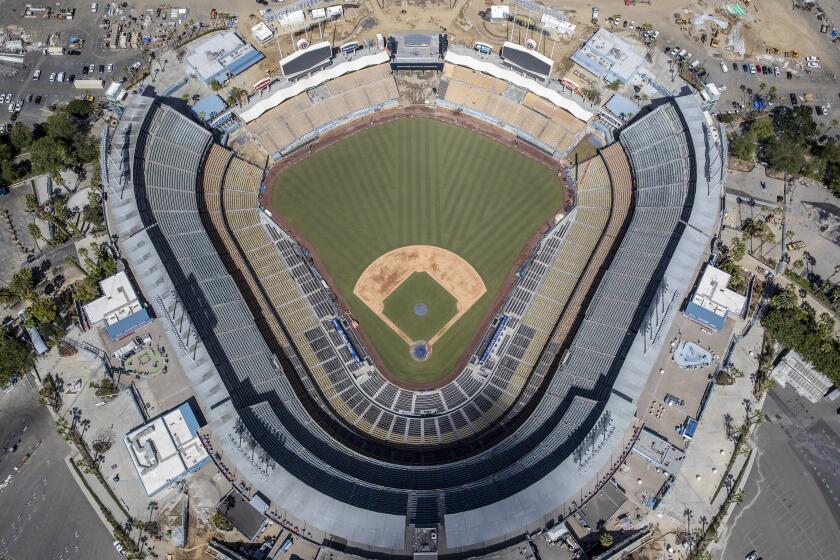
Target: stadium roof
x,y
306,60
526,60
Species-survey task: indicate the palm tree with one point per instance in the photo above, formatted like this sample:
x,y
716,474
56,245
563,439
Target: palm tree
x,y
825,325
786,299
36,233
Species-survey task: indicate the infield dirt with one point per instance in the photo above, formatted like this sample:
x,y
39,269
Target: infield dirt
x,y
447,191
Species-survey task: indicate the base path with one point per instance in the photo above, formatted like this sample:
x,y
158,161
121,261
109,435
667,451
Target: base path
x,y
444,115
388,272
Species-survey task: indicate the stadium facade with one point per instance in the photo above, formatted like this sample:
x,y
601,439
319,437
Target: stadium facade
x,y
544,411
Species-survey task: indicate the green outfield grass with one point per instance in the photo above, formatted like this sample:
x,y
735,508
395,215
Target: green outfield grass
x,y
420,288
418,181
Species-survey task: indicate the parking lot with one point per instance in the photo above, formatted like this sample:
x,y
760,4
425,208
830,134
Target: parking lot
x,y
791,508
86,26
44,513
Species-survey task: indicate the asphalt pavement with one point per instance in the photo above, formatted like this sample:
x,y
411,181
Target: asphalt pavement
x,y
791,506
85,26
43,512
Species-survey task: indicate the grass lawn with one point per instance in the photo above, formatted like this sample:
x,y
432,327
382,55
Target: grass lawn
x,y
418,181
420,289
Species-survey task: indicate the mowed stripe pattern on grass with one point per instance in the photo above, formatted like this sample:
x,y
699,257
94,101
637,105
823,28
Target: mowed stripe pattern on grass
x,y
417,181
420,289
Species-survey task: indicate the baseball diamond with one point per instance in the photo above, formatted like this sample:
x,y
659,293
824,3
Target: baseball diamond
x,y
437,185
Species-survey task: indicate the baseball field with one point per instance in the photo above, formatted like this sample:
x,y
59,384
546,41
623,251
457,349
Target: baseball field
x,y
417,223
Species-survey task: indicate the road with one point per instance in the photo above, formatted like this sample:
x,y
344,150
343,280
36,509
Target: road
x,y
43,512
791,506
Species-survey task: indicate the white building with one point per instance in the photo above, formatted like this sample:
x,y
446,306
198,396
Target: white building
x,y
802,376
220,56
166,449
499,13
610,57
713,300
262,32
119,300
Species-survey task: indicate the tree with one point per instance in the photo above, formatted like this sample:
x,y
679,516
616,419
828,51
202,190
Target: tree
x,y
825,325
20,287
785,299
737,249
20,136
16,359
35,232
221,522
86,290
742,146
797,264
785,154
606,540
79,108
43,311
215,85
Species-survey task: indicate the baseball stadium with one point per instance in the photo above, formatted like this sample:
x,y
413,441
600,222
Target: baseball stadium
x,y
428,316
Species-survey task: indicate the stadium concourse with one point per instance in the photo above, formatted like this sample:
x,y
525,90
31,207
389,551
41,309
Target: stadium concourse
x,y
546,406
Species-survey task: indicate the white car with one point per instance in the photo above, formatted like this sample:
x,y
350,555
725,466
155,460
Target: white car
x,y
36,75
8,98
18,106
752,68
11,107
109,67
724,66
94,7
119,547
777,71
812,59
813,64
52,76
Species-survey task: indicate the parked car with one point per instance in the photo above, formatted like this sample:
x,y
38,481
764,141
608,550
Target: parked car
x,y
11,107
777,71
37,100
119,547
735,66
8,98
819,109
36,75
752,68
101,68
60,77
109,67
813,64
752,556
84,70
71,78
789,75
812,59
724,67
91,68
793,100
758,68
745,67
19,105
